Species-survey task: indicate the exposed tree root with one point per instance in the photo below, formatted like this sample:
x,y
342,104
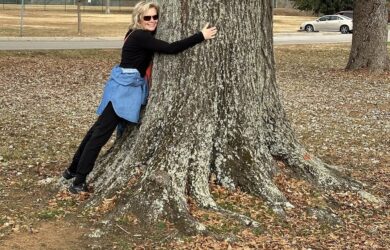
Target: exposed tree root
x,y
218,116
371,198
204,199
282,144
245,220
155,192
318,172
154,199
178,159
325,216
323,175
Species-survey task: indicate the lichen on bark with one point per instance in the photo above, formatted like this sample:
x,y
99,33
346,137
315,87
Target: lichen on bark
x,y
370,34
214,110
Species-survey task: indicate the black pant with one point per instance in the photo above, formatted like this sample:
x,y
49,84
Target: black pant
x,y
97,136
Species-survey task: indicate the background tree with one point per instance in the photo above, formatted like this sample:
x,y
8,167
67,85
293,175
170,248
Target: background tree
x,y
79,24
369,40
214,113
107,7
325,7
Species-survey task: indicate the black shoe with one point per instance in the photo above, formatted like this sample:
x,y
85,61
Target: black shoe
x,y
68,175
78,188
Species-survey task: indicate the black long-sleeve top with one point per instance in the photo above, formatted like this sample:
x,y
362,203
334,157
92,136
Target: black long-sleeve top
x,y
138,49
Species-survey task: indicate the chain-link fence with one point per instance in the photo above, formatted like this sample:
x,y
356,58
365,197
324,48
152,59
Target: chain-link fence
x,y
54,18
65,5
282,4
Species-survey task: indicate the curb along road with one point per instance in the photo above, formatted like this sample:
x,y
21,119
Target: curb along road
x,y
47,43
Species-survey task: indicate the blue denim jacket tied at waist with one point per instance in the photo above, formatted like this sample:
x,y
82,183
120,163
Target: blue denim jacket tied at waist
x,y
127,91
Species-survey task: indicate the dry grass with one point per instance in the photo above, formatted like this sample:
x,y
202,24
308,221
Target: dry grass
x,y
58,23
290,12
55,22
288,24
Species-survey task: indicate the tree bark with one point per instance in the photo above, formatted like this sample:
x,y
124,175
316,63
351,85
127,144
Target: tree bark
x,y
214,110
369,40
107,7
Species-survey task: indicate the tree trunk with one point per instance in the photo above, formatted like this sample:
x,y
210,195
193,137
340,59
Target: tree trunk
x,y
79,25
369,40
107,7
214,110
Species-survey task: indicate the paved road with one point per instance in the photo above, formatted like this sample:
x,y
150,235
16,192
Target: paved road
x,y
311,38
46,43
42,43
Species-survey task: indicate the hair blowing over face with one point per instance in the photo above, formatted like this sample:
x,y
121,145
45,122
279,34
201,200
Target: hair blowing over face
x,y
138,13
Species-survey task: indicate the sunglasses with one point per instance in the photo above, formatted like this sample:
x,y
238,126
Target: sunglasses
x,y
148,18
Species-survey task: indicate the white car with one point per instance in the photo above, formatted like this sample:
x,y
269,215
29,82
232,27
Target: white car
x,y
329,23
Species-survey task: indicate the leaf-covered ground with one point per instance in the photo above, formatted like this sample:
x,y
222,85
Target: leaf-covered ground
x,y
48,101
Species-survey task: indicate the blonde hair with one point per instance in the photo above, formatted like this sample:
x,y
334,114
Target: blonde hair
x,y
138,13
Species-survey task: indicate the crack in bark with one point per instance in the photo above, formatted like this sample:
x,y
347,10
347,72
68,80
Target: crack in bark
x,y
369,40
234,128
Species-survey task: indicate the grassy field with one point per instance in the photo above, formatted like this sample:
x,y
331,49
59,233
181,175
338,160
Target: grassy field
x,y
342,117
55,22
58,23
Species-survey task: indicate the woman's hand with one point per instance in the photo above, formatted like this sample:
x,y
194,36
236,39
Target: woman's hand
x,y
209,33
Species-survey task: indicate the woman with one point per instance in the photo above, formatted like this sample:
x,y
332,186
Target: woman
x,y
126,90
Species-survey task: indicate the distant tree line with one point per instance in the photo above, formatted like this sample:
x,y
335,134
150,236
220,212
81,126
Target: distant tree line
x,y
325,7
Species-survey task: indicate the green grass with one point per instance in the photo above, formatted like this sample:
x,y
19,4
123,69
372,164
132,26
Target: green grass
x,y
258,231
225,228
161,225
50,214
2,221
